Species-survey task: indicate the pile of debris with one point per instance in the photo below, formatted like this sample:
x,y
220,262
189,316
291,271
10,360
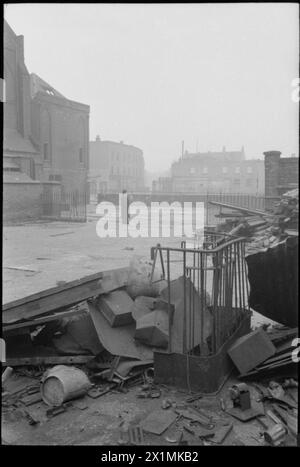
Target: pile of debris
x,y
263,229
98,335
87,337
256,413
271,255
111,320
260,354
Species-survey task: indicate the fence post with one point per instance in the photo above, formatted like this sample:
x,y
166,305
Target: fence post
x,y
207,209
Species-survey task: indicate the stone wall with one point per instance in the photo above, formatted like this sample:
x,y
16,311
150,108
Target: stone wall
x,y
21,201
280,173
25,200
66,136
288,171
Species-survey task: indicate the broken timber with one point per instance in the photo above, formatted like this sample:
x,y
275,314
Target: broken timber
x,y
53,360
65,295
248,211
78,310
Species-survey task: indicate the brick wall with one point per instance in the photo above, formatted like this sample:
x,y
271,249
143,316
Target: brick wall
x,y
67,138
288,171
280,172
21,201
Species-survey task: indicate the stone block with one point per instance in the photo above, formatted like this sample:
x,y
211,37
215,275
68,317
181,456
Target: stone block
x,y
116,307
251,350
142,305
152,329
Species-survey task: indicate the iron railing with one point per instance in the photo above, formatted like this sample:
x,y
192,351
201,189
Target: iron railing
x,y
215,293
70,206
251,201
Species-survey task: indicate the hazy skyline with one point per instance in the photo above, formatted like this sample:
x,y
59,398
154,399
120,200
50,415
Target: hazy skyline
x,y
154,75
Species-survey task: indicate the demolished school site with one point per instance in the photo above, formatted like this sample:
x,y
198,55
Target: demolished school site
x,y
164,352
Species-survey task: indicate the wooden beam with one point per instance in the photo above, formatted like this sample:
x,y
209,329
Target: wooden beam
x,y
64,295
77,310
53,360
241,209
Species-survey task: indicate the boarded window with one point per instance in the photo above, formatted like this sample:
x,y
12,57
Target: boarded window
x,y
46,135
56,178
46,152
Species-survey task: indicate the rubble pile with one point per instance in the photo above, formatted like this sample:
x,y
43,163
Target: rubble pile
x,y
261,412
261,228
282,223
70,347
271,253
259,354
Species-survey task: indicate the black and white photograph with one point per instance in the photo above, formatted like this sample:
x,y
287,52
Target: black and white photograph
x,y
150,227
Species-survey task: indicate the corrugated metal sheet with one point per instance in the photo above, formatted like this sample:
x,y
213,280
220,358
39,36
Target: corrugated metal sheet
x,y
273,278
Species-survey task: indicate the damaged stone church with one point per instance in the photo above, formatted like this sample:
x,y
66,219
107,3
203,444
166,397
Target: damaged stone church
x,y
45,137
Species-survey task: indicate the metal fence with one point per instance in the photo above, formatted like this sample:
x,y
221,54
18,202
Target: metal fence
x,y
63,206
255,202
213,291
251,201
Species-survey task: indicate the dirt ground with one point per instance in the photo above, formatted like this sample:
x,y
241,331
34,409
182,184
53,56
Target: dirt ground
x,y
37,255
100,423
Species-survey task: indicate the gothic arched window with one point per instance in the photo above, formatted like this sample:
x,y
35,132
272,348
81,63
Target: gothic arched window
x,y
46,135
81,135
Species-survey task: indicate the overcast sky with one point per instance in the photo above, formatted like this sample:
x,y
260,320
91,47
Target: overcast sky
x,y
154,75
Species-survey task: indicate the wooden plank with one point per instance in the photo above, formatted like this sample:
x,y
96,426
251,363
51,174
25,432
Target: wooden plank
x,y
65,295
53,360
77,310
255,224
230,215
276,358
284,362
241,209
31,399
292,232
281,335
21,268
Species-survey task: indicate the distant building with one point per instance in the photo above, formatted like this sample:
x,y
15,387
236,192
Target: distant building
x,y
115,167
281,173
60,129
162,185
215,172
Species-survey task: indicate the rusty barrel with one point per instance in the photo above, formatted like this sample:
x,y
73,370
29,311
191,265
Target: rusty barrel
x,y
62,383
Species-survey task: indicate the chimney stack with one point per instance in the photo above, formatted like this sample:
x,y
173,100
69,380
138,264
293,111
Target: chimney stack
x,y
272,172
